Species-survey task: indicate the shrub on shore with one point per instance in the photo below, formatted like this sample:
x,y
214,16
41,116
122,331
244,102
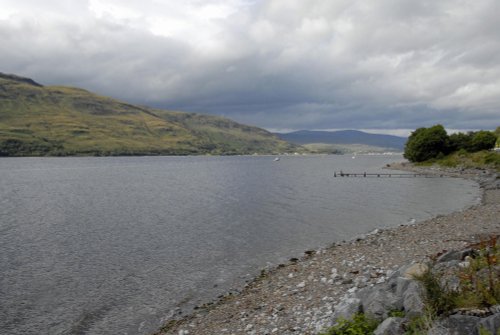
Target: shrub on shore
x,y
434,143
426,143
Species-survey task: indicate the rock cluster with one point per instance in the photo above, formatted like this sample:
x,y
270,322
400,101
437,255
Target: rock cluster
x,y
402,294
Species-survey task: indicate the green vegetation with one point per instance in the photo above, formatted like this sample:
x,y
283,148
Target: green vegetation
x,y
221,136
420,325
36,121
439,299
433,145
481,159
479,284
480,281
478,287
474,284
426,143
360,324
484,331
396,314
472,141
497,133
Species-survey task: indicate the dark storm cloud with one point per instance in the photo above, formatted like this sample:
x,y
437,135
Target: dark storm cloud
x,y
278,64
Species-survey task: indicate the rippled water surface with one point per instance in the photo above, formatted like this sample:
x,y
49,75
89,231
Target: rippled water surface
x,y
113,245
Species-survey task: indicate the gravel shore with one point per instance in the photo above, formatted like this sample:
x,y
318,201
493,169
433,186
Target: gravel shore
x,y
298,297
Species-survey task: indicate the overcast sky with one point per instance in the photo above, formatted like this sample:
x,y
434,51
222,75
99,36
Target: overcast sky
x,y
278,64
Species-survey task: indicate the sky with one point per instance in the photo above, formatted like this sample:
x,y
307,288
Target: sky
x,y
383,65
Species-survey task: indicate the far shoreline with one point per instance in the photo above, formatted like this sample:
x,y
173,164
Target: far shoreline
x,y
283,154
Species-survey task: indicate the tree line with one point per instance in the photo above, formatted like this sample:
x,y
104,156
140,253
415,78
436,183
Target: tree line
x,y
434,142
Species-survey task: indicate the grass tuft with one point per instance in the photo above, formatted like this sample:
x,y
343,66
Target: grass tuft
x,y
360,324
482,159
479,282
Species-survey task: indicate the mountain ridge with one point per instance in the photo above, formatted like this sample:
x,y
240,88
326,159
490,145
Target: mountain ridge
x,y
19,79
38,120
344,137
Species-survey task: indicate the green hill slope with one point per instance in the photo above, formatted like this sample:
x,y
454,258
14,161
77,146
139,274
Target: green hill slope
x,y
52,120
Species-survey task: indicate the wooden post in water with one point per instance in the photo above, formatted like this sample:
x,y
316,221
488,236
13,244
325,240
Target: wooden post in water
x,y
388,175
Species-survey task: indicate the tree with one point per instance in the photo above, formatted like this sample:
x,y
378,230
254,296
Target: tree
x,y
460,141
427,143
483,140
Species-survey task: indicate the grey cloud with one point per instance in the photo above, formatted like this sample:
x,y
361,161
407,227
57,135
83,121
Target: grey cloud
x,y
283,64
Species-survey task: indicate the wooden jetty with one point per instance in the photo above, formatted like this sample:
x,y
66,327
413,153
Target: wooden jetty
x,y
386,175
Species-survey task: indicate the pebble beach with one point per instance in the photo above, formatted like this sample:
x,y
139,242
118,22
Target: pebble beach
x,y
299,297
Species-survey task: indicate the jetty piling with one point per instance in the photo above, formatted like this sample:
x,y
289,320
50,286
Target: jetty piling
x,y
386,175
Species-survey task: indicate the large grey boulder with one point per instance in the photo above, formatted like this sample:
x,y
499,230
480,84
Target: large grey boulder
x,y
415,270
401,279
412,300
380,302
347,308
491,324
398,273
438,329
461,324
390,326
454,255
402,285
402,292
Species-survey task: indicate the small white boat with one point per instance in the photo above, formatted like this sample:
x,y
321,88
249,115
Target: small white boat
x,y
276,159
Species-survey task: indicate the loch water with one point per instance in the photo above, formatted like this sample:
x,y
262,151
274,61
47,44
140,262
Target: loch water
x,y
113,245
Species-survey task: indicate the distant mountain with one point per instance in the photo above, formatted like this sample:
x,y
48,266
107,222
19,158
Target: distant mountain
x,y
55,120
344,137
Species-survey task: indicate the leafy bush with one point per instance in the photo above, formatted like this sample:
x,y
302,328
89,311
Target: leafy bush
x,y
482,140
497,134
360,324
426,143
472,141
460,141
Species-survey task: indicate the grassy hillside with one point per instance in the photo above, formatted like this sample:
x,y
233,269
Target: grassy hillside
x,y
223,136
39,120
